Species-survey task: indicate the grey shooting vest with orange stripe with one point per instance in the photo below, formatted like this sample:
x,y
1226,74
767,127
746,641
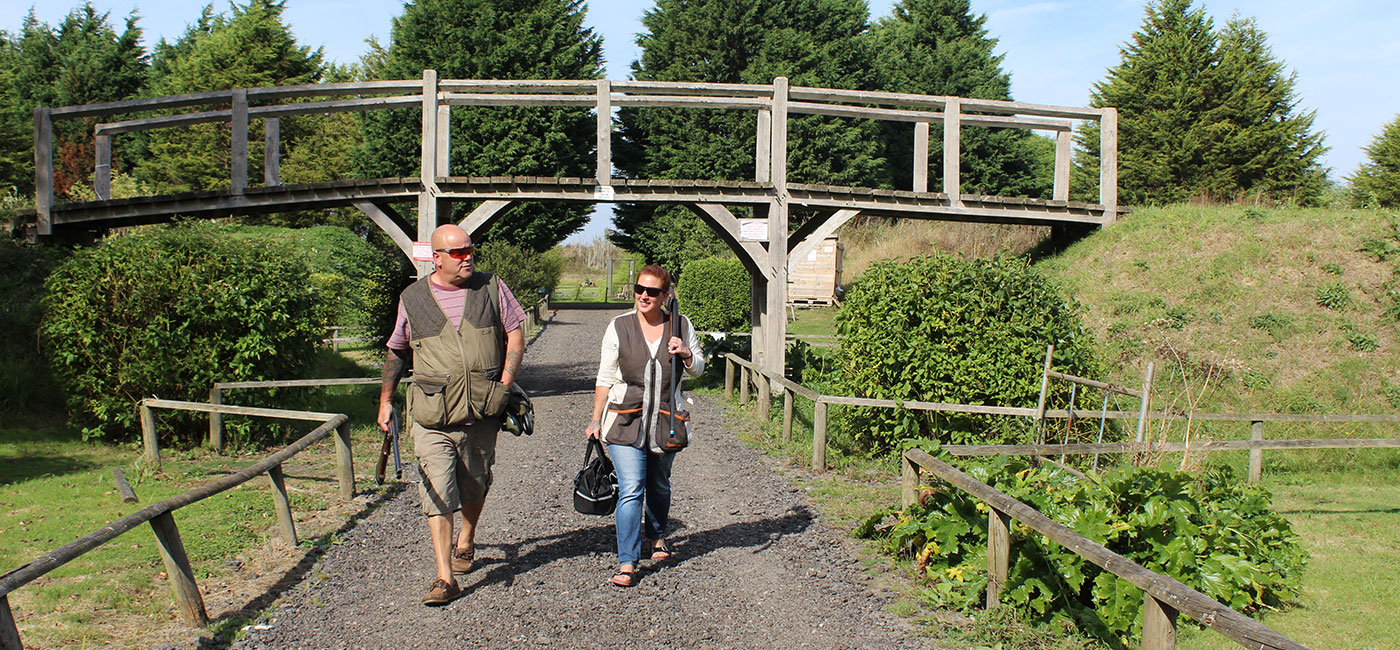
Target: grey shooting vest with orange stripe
x,y
648,381
456,371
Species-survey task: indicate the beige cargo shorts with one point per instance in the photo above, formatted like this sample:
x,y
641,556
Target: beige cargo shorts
x,y
455,463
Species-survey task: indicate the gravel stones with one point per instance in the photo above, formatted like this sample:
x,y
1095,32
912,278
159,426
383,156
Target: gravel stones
x,y
754,566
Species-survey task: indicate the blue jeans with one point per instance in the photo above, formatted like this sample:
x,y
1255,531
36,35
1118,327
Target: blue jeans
x,y
641,476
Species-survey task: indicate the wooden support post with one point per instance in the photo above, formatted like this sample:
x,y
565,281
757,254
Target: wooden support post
x,y
239,154
952,152
819,437
1256,455
908,481
763,149
728,377
1145,409
765,395
1158,624
344,462
743,385
272,151
921,156
123,487
216,421
775,322
787,415
442,166
603,173
148,437
286,526
1063,151
427,166
43,169
102,167
998,554
177,566
758,306
1108,165
9,632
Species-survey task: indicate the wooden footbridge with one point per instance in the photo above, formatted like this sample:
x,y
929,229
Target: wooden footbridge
x,y
769,193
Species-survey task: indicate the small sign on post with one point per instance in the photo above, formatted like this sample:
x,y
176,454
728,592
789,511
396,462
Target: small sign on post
x,y
422,251
753,230
603,193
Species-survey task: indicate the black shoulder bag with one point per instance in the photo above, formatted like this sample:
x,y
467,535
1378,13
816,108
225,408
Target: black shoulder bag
x,y
595,486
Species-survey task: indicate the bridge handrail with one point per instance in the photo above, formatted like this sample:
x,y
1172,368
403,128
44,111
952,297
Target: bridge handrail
x,y
159,515
1164,596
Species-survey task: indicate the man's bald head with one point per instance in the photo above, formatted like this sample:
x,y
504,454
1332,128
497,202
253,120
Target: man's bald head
x,y
450,236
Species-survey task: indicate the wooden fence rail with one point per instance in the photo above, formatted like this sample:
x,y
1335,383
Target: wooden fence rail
x,y
161,518
1163,597
746,372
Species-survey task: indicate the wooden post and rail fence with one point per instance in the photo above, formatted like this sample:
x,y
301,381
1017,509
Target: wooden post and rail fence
x,y
160,516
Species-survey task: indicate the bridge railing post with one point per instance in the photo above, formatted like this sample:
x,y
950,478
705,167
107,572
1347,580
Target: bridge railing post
x,y
239,153
1063,150
1108,165
427,165
921,130
272,151
102,167
43,169
603,173
952,152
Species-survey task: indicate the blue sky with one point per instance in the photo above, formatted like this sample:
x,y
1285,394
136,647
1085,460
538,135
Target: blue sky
x,y
1346,52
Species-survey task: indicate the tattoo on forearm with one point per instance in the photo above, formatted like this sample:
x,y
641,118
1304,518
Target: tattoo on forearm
x,y
513,360
394,368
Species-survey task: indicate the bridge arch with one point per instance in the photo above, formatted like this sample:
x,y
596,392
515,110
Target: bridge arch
x,y
769,194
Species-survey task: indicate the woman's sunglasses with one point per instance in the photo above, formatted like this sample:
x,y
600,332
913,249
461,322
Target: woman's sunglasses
x,y
650,291
458,253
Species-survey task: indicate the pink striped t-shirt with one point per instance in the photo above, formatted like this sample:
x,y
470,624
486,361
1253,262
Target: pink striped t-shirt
x,y
452,299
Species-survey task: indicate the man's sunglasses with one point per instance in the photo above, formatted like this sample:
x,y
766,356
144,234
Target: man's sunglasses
x,y
458,253
650,291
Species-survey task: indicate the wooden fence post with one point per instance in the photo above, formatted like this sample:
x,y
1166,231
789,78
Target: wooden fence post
x,y
728,377
1256,455
908,481
216,420
285,524
9,633
787,415
344,462
1158,624
765,394
1145,408
743,385
148,436
1044,390
819,437
998,553
239,153
177,566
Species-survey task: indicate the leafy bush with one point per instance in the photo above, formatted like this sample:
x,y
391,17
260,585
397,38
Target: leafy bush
x,y
1211,532
169,311
26,385
1334,295
715,293
942,330
530,275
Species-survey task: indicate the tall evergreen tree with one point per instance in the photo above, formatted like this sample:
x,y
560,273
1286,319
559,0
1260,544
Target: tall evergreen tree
x,y
1377,182
939,47
1203,114
811,42
493,39
250,48
83,60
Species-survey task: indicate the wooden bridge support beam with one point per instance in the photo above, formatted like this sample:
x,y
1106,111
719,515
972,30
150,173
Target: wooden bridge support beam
x,y
775,295
428,203
391,222
482,215
603,173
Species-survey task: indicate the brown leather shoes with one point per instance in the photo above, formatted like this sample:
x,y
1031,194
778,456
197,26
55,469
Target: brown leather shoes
x,y
441,592
463,560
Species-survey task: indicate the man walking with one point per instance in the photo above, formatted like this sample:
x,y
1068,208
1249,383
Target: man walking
x,y
461,330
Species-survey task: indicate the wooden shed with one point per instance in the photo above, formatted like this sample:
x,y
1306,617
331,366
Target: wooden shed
x,y
812,280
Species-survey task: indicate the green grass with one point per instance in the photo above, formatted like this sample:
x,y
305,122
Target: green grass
x,y
55,488
819,321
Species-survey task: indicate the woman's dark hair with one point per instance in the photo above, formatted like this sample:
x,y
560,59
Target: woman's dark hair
x,y
656,271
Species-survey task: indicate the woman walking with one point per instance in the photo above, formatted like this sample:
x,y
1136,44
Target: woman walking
x,y
631,393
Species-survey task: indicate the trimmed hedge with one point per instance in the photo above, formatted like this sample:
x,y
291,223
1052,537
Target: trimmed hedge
x,y
168,311
530,275
938,329
714,294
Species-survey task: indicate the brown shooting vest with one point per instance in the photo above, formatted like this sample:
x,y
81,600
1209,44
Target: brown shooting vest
x,y
633,357
456,371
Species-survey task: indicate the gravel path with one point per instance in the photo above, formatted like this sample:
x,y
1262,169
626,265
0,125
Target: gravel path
x,y
755,568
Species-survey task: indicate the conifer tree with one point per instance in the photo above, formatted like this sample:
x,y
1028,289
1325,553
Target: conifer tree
x,y
252,47
811,42
939,47
1376,183
1203,114
493,39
